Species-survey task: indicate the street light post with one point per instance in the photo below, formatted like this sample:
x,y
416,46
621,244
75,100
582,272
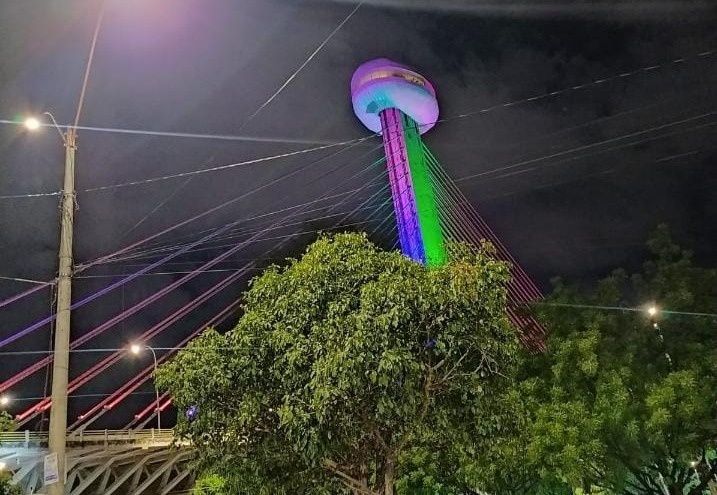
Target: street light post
x,y
136,349
57,441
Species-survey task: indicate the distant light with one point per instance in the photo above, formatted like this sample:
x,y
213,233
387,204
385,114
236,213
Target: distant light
x,y
694,464
2,466
32,123
652,311
136,349
4,400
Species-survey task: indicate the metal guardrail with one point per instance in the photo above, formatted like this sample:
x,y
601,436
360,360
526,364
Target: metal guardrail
x,y
27,438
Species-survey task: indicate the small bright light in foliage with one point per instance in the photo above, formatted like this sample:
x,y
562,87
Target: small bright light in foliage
x,y
32,123
652,311
191,413
2,466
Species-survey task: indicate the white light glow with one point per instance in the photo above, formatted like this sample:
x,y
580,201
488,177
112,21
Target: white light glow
x,y
32,123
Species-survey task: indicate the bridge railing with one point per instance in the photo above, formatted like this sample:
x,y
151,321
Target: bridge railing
x,y
151,437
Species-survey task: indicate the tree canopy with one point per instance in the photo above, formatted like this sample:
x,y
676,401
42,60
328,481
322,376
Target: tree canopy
x,y
623,401
353,370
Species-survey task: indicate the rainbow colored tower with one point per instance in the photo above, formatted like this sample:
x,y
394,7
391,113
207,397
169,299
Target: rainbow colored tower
x,y
401,105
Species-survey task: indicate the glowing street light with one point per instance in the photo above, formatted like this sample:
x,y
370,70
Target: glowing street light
x,y
4,400
137,349
32,124
652,311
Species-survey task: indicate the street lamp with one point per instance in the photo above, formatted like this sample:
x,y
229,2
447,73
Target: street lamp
x,y
57,438
32,123
137,349
652,311
4,400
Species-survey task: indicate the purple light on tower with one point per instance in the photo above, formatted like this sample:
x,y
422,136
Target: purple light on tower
x,y
400,104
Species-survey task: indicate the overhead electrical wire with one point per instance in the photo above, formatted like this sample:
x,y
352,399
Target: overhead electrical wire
x,y
599,143
88,66
26,280
190,135
228,166
590,84
301,67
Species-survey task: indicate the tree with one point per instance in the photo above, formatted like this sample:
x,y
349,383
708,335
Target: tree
x,y
622,401
6,488
350,368
210,484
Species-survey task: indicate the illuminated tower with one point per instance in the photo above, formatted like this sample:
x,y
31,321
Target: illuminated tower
x,y
400,104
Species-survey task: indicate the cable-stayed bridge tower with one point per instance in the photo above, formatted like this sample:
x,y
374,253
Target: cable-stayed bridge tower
x,y
400,104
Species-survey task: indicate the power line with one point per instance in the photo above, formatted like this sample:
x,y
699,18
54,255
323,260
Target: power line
x,y
88,67
301,67
190,135
620,308
30,195
229,166
595,144
596,82
27,280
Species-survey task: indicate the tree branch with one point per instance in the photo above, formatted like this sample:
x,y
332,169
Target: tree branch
x,y
704,481
377,433
447,376
348,480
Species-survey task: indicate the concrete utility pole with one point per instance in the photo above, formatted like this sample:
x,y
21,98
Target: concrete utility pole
x,y
61,363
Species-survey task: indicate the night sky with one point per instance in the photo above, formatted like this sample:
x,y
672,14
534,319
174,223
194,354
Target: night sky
x,y
572,183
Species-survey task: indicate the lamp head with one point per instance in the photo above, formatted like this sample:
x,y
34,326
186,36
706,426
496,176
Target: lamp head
x,y
652,310
32,124
136,349
4,400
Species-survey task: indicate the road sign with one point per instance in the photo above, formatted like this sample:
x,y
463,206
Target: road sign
x,y
52,474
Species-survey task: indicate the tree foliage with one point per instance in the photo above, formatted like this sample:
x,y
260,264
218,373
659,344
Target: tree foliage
x,y
621,401
6,422
6,488
353,370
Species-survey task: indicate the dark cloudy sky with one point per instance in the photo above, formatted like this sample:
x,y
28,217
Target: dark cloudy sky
x,y
572,183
